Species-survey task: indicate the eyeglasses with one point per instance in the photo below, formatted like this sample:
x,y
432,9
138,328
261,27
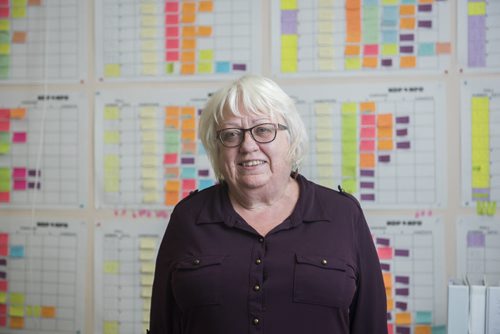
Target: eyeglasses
x,y
261,133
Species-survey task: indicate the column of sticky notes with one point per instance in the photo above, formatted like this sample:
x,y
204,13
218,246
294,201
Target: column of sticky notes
x,y
353,35
367,150
289,36
150,38
349,130
408,282
150,159
5,38
480,145
476,36
13,178
111,159
325,39
128,268
370,36
324,143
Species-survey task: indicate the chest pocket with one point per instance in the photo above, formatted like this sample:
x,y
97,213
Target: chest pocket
x,y
326,281
196,281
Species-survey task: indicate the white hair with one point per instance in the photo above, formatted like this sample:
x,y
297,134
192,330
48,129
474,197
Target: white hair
x,y
255,95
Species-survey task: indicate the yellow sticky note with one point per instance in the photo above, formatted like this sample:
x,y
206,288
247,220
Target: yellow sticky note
x,y
325,172
288,4
149,137
4,49
4,25
206,54
147,32
324,134
112,184
150,148
476,8
145,317
111,267
111,161
146,292
33,311
146,304
352,63
324,159
148,124
289,67
150,184
111,113
149,173
148,8
112,70
18,12
350,185
389,49
147,267
289,41
324,147
150,161
16,311
111,137
146,255
148,45
149,21
349,108
326,65
151,197
147,280
149,69
323,108
110,327
325,40
16,298
205,67
149,57
147,243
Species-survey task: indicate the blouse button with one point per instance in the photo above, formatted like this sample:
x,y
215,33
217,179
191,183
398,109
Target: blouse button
x,y
324,262
256,287
196,262
258,261
261,240
255,321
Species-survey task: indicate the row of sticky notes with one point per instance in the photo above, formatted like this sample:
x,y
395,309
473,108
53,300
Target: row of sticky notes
x,y
172,67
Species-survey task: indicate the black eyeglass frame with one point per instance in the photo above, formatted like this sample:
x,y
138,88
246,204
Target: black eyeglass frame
x,y
277,127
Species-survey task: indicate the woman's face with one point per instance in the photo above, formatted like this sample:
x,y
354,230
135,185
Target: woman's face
x,y
254,165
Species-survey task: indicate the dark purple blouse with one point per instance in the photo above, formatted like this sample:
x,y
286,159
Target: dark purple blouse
x,y
317,272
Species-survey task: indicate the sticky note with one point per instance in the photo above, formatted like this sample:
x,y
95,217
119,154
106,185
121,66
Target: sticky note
x,y
423,329
146,255
205,6
384,120
384,253
110,327
16,311
288,4
150,197
147,280
403,318
112,70
16,251
16,322
48,312
171,198
33,311
367,160
147,267
111,267
408,62
147,243
352,63
204,31
17,298
4,148
111,112
476,8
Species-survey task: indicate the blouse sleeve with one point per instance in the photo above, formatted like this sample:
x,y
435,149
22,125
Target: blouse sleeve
x,y
164,317
368,311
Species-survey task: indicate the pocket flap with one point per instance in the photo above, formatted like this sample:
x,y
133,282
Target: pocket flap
x,y
327,262
195,262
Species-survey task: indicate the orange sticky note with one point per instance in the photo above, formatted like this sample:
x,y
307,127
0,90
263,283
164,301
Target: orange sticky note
x,y
172,111
172,172
388,292
19,37
385,145
188,124
188,43
188,68
352,50
189,31
171,198
390,304
384,133
172,185
384,120
403,318
34,2
188,57
443,48
205,31
16,322
189,148
172,123
407,10
205,6
423,329
407,23
370,62
367,106
367,160
426,1
188,135
18,113
408,62
189,7
188,111
187,18
387,279
48,312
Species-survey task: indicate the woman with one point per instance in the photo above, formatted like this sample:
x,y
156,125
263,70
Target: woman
x,y
265,250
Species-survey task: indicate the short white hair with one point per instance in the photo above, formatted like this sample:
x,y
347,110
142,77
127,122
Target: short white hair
x,y
256,95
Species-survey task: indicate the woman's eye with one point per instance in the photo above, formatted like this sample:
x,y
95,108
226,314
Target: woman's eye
x,y
263,130
229,135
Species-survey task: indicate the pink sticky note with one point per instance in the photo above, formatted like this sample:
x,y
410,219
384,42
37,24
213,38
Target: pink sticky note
x,y
172,19
384,253
4,126
367,145
170,158
4,197
188,184
171,6
172,32
172,56
4,12
19,137
19,173
367,119
172,43
4,114
19,184
370,50
367,133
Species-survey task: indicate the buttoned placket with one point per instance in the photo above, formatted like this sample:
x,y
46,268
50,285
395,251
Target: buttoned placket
x,y
256,288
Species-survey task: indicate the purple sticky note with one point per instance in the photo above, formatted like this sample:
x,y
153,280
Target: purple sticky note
x,y
475,239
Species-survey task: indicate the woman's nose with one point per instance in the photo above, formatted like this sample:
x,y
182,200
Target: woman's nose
x,y
248,142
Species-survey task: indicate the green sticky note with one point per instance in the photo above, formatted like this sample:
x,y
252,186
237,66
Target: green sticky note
x,y
169,68
4,37
171,147
441,329
4,60
4,137
423,317
4,148
172,137
4,72
16,298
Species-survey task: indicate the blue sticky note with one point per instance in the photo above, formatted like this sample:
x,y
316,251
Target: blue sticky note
x,y
389,36
201,150
370,3
205,184
423,317
408,2
188,172
439,329
222,67
390,16
17,251
426,49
